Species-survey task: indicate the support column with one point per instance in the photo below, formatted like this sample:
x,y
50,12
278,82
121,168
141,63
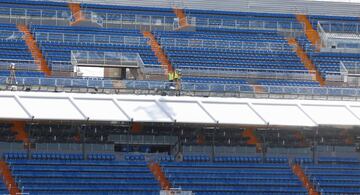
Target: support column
x,y
8,179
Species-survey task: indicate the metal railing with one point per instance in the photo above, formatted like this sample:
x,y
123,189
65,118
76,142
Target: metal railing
x,y
348,8
104,59
340,27
247,24
192,89
120,20
35,16
226,44
31,65
90,38
248,73
64,18
60,82
219,72
246,88
21,65
188,21
143,139
11,35
137,21
339,36
350,73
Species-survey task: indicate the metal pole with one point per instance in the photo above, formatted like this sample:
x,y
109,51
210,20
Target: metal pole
x,y
128,135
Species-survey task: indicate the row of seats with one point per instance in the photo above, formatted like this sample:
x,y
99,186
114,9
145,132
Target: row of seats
x,y
196,158
247,159
341,178
57,156
15,155
101,157
140,157
3,189
83,177
135,157
338,160
211,178
249,56
301,160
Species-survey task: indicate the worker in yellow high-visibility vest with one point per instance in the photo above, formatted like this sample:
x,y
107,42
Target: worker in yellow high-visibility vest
x,y
177,78
171,76
176,75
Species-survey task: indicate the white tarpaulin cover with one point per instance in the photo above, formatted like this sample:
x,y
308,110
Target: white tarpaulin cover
x,y
201,110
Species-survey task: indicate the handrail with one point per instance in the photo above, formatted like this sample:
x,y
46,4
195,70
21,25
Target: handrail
x,y
206,43
340,27
350,67
343,69
186,86
246,24
11,35
62,18
348,8
323,35
103,59
30,65
90,38
339,36
236,72
119,20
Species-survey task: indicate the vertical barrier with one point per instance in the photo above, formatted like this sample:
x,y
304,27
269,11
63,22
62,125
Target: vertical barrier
x,y
249,133
18,127
259,89
136,127
180,14
8,179
304,179
310,32
76,12
159,53
253,140
34,49
159,175
306,60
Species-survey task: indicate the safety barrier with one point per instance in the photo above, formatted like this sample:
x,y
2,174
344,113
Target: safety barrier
x,y
306,60
159,53
304,179
310,32
76,11
8,179
34,49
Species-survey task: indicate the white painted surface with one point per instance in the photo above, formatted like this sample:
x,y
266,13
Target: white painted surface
x,y
238,111
51,108
143,110
277,114
10,109
100,109
186,111
331,114
233,113
355,110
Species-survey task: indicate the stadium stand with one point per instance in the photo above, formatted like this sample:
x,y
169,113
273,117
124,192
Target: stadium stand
x,y
57,177
233,178
3,189
258,43
336,178
97,135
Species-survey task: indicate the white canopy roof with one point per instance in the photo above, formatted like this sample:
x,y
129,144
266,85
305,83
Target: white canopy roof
x,y
201,110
